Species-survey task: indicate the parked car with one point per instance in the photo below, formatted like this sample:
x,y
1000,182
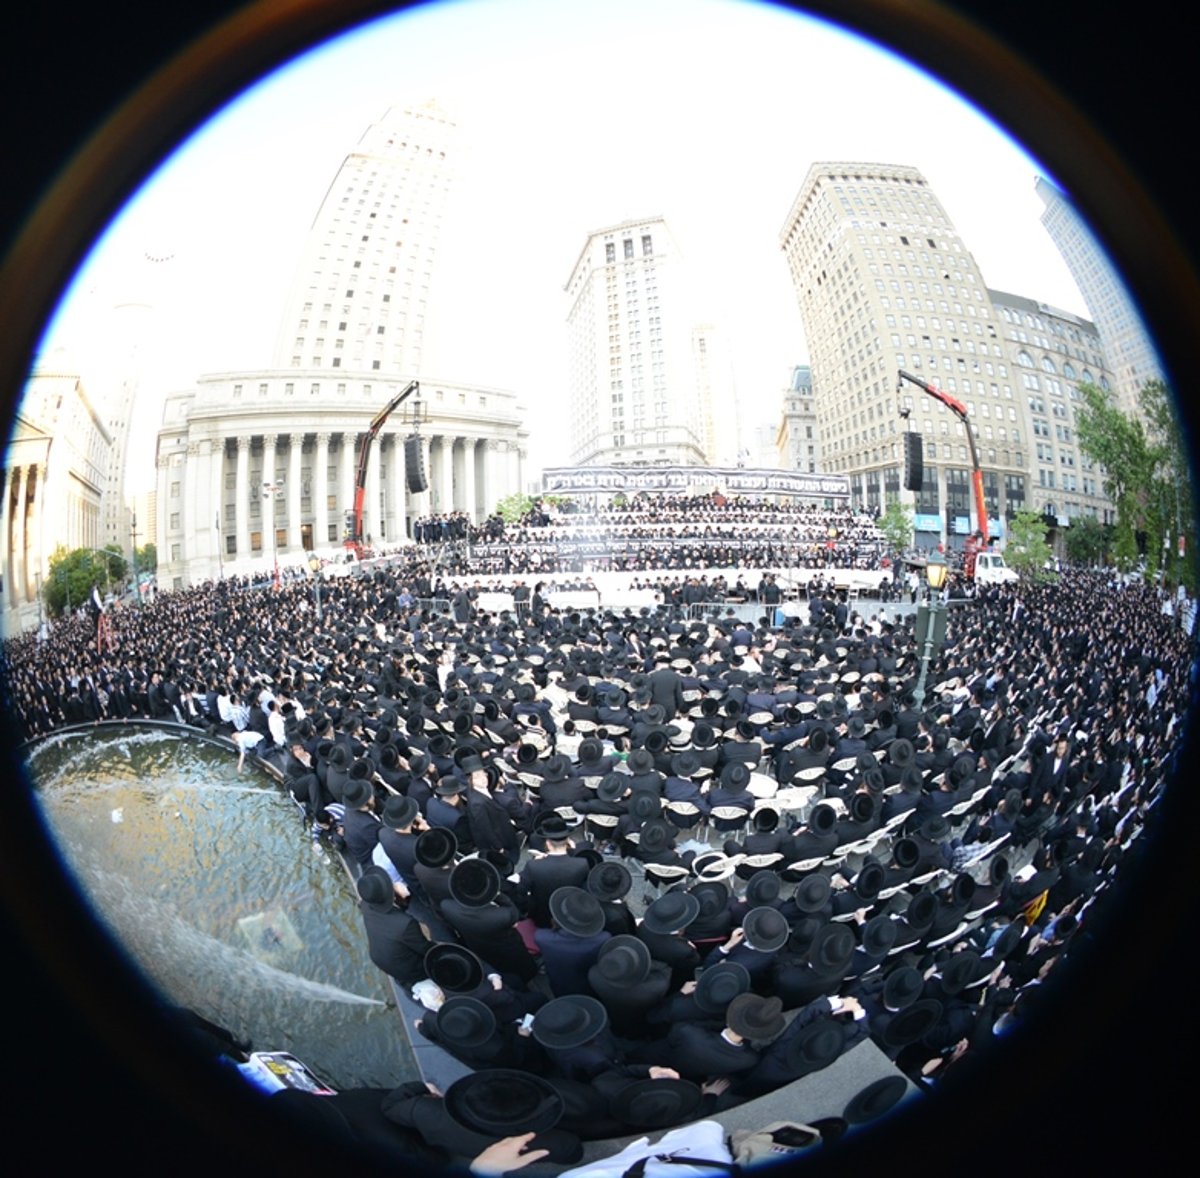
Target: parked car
x,y
990,569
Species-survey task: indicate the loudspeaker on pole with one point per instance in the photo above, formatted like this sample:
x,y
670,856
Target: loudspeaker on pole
x,y
414,465
914,461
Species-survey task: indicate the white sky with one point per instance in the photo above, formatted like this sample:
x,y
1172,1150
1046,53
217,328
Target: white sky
x,y
573,115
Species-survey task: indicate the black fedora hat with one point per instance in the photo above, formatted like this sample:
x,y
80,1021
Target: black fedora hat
x,y
399,811
870,879
735,775
814,1047
612,786
921,911
624,960
609,880
474,883
356,794
901,752
503,1102
569,1021
655,1104
641,761
719,985
656,833
812,892
375,889
454,968
878,935
671,913
875,1100
436,847
465,1022
961,970
574,910
823,818
766,929
763,888
905,854
713,896
863,807
902,987
644,805
912,1023
831,949
755,1017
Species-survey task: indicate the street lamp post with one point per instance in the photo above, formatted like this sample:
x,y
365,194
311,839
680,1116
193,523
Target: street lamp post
x,y
272,491
927,619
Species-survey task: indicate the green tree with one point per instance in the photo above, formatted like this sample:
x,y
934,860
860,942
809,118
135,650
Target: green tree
x,y
1026,552
1087,540
896,524
1171,507
147,558
73,574
512,507
1121,445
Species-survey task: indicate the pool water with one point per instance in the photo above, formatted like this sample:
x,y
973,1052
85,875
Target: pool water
x,y
208,879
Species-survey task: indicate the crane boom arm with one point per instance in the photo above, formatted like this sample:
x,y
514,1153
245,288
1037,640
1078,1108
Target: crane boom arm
x,y
960,410
355,539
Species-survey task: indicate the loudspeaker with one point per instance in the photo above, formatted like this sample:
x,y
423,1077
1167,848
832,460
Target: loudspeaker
x,y
414,465
914,461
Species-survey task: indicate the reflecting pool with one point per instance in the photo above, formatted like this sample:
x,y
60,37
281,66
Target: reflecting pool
x,y
207,878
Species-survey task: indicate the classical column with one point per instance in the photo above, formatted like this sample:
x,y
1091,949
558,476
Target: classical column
x,y
515,456
193,508
398,526
498,470
371,516
345,481
320,495
295,452
268,501
17,568
216,501
467,482
162,517
33,539
241,504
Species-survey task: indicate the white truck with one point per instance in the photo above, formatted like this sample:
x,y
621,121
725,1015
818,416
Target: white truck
x,y
990,569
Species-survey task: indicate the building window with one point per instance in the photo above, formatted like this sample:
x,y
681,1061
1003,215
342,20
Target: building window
x,y
647,246
629,247
173,522
610,252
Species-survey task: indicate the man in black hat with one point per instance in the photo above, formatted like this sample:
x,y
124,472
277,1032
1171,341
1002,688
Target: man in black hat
x,y
663,930
482,1109
485,920
394,939
629,983
545,872
571,947
699,1053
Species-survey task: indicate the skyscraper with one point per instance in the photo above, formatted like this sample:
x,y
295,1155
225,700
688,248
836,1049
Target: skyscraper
x,y
635,375
884,282
1127,343
260,465
361,291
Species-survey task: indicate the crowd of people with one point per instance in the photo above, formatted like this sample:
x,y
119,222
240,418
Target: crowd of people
x,y
660,867
660,532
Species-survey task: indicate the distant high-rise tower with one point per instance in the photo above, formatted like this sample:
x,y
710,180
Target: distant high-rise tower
x,y
635,378
1127,344
360,293
884,283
